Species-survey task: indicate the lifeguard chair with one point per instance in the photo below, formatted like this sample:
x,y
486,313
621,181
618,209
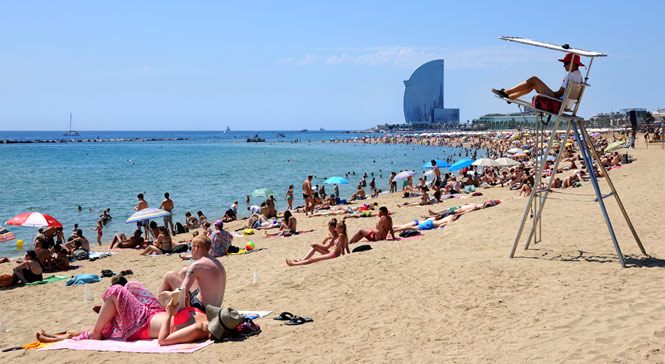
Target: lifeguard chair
x,y
573,92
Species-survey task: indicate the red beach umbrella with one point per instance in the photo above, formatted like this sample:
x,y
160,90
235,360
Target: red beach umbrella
x,y
36,219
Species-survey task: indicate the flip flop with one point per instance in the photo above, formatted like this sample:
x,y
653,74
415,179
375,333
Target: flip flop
x,y
297,320
284,316
501,93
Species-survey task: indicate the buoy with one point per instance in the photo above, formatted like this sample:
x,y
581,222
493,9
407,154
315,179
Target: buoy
x,y
19,244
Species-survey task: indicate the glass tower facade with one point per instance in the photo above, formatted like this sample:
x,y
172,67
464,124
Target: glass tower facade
x,y
423,96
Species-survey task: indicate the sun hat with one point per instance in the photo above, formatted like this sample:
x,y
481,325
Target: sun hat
x,y
220,320
219,223
575,59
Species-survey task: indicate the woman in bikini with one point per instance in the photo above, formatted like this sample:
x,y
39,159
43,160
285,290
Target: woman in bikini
x,y
288,226
99,228
162,245
333,249
133,313
29,271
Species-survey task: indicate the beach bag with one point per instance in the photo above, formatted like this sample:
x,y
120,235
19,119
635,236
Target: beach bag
x,y
248,232
81,254
180,248
245,329
408,233
180,229
546,104
6,280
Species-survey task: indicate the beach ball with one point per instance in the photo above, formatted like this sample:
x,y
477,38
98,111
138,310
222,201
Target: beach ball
x,y
249,246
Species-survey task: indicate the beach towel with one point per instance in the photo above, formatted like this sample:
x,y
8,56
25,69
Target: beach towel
x,y
139,346
245,251
280,236
83,279
50,279
99,255
255,314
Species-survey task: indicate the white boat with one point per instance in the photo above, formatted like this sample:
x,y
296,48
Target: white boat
x,y
70,132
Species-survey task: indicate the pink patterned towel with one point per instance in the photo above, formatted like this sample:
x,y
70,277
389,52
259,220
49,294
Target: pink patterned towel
x,y
139,346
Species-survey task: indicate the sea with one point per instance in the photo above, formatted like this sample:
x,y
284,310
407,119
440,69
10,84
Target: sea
x,y
206,172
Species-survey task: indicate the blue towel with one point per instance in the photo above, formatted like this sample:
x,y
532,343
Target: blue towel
x,y
83,279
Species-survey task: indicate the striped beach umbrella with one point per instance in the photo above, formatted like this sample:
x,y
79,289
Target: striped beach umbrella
x,y
6,235
146,214
35,219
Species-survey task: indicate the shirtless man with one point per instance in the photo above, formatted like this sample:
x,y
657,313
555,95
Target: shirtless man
x,y
383,227
71,245
437,174
143,204
204,280
307,194
121,240
359,195
167,205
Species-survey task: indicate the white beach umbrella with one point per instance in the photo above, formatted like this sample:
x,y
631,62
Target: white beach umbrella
x,y
514,150
507,162
485,162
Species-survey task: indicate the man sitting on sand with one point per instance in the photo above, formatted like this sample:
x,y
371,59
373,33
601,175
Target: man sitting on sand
x,y
359,195
204,281
85,245
121,241
383,227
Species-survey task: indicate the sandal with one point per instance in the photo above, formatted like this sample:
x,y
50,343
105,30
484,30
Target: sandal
x,y
284,316
297,320
502,94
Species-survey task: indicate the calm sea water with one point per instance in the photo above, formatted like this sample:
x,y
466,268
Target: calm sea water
x,y
207,172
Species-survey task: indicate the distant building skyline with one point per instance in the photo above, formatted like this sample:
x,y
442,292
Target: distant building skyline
x,y
424,96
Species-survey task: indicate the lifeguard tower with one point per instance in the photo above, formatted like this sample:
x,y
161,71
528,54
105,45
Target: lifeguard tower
x,y
573,91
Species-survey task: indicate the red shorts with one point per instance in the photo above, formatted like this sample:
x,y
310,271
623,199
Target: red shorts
x,y
371,236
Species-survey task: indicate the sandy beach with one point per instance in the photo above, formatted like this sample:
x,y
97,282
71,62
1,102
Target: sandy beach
x,y
452,295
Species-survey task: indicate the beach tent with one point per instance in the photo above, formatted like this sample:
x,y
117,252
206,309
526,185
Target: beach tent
x,y
567,112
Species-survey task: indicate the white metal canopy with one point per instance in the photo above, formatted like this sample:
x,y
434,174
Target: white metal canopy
x,y
564,48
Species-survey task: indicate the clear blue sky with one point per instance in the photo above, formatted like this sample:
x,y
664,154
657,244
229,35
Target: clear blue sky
x,y
151,65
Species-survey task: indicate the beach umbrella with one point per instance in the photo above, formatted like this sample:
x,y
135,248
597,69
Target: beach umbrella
x,y
462,163
485,162
429,172
616,145
514,150
549,158
439,163
595,135
146,214
337,181
403,175
507,162
262,192
519,155
6,235
34,219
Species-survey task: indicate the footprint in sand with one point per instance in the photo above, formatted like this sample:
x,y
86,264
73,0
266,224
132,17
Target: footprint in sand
x,y
659,334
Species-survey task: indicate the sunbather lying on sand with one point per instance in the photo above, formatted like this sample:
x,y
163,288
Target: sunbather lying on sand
x,y
133,313
428,224
288,226
121,241
333,249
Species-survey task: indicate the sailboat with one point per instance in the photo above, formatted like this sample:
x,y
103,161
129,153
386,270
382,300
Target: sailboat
x,y
70,132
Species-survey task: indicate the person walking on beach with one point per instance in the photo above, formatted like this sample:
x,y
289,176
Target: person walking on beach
x,y
437,174
167,205
392,182
289,197
571,62
307,194
143,204
204,281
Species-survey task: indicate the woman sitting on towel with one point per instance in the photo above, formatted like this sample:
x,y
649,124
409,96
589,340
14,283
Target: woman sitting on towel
x,y
288,226
162,245
332,250
133,313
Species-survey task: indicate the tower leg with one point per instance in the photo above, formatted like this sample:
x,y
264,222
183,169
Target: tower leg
x,y
584,151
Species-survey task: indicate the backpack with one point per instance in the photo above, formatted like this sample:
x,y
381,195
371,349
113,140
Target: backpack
x,y
546,104
180,228
81,254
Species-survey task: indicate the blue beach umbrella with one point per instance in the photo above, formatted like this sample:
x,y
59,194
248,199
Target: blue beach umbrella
x,y
439,163
337,181
462,163
146,214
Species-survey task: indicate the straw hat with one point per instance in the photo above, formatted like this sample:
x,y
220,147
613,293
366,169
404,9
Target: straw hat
x,y
220,320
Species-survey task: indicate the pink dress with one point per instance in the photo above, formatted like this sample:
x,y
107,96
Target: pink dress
x,y
136,306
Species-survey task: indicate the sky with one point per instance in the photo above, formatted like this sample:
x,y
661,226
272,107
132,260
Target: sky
x,y
287,65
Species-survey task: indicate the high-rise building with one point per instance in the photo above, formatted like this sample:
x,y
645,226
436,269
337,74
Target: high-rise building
x,y
423,97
